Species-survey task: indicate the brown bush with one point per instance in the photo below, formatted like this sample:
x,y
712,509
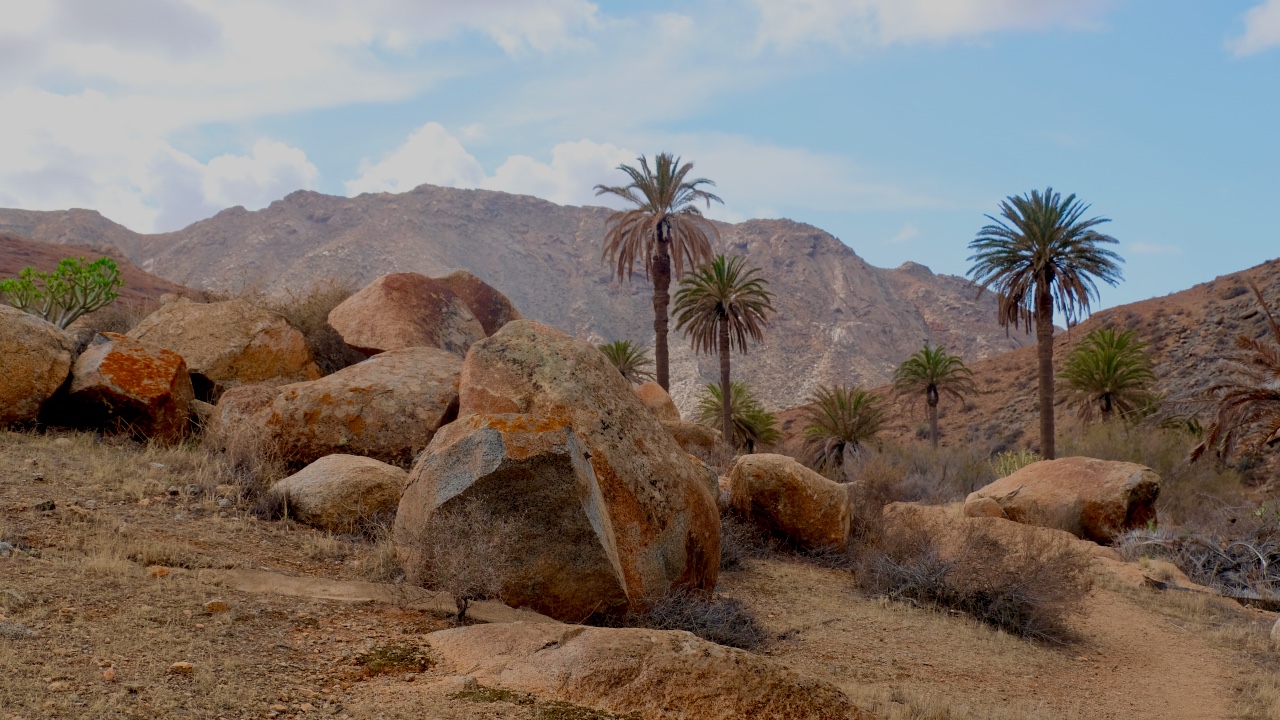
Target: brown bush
x,y
465,551
308,312
918,473
1029,587
741,540
714,618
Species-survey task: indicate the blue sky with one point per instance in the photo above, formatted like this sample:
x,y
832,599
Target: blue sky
x,y
893,124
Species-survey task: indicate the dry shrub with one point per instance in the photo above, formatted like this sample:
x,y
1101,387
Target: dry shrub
x,y
394,658
919,473
308,312
247,459
714,618
1238,554
465,551
1028,586
718,458
741,540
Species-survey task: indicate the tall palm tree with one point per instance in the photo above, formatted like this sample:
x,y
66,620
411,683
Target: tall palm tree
x,y
841,418
753,426
1248,401
1111,371
630,359
664,226
719,306
934,372
1042,254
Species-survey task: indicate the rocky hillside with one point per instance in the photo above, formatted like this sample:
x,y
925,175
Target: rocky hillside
x,y
1188,331
139,286
839,319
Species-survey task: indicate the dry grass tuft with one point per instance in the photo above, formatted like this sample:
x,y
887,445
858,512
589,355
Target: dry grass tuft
x,y
717,619
919,473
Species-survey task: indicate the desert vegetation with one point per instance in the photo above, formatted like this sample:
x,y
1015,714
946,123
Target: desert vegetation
x,y
631,360
840,420
751,426
1109,373
73,289
936,373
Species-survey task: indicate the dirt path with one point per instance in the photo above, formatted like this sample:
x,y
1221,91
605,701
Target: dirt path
x,y
1130,663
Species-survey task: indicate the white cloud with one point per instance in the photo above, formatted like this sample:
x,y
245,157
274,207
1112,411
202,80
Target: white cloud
x,y
571,176
1261,30
269,172
789,24
430,155
907,233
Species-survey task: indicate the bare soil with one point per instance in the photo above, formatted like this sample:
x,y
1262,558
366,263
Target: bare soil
x,y
90,627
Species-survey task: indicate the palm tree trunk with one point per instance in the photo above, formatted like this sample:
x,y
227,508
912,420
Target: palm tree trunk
x,y
933,417
661,299
726,407
1106,408
1044,347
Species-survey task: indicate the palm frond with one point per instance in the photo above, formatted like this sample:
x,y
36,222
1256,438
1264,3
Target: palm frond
x,y
840,419
723,293
630,359
753,426
1109,371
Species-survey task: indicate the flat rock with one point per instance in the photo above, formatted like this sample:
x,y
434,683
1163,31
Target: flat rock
x,y
35,358
653,674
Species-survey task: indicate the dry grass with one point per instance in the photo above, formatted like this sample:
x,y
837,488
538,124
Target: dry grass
x,y
912,701
714,618
917,472
308,312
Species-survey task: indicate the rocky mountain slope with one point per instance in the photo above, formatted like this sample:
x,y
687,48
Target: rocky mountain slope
x,y
1189,333
839,319
139,286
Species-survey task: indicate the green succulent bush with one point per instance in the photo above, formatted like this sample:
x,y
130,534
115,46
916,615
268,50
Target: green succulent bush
x,y
70,291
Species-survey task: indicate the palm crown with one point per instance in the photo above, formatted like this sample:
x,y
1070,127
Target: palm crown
x,y
721,306
630,359
934,372
753,426
1109,371
1043,254
840,419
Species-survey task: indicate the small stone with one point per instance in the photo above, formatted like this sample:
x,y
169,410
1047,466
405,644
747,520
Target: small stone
x,y
90,504
194,489
182,668
157,466
145,502
109,675
214,607
306,707
46,506
6,550
223,502
38,477
1275,633
59,686
279,708
158,571
173,490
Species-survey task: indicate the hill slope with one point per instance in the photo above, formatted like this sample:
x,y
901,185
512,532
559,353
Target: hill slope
x,y
139,286
839,319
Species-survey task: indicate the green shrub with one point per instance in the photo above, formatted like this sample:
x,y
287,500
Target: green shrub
x,y
68,292
1011,461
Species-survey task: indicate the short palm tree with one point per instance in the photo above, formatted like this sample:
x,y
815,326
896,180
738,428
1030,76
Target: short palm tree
x,y
663,228
720,306
1248,401
934,372
753,426
1042,254
1109,371
840,419
630,359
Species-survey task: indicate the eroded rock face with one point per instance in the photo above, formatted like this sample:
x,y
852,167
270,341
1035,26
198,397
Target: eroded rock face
x,y
35,357
654,674
228,343
387,407
790,501
564,561
1096,500
658,401
404,310
119,381
664,520
343,493
490,307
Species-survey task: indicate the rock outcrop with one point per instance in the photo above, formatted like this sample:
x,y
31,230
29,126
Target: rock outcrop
x,y
228,343
35,358
121,382
404,310
342,493
541,400
233,417
657,400
387,407
790,500
490,307
1097,500
652,674
694,437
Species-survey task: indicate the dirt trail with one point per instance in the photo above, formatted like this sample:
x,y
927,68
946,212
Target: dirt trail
x,y
1130,663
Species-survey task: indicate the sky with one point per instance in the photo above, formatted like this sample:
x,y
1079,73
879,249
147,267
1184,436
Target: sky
x,y
895,125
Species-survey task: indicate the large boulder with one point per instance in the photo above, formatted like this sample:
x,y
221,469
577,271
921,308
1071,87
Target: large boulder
x,y
652,674
234,415
228,343
694,437
35,357
657,400
790,501
563,560
342,493
1096,500
119,381
490,307
653,505
387,407
404,310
